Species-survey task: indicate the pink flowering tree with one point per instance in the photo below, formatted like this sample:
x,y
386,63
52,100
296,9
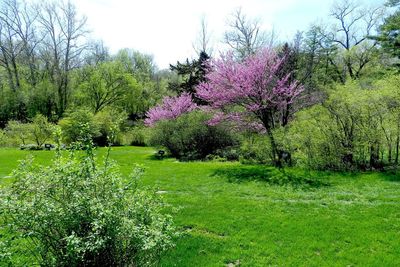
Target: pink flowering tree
x,y
254,90
170,108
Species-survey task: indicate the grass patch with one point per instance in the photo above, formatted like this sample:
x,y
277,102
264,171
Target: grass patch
x,y
270,175
230,213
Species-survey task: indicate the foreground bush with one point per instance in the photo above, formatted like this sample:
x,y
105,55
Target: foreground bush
x,y
189,137
78,213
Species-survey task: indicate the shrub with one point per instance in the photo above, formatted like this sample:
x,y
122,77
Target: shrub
x,y
78,124
136,136
189,137
255,148
78,213
110,123
3,138
20,131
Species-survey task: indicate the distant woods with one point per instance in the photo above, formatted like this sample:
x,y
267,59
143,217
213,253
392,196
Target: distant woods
x,y
50,67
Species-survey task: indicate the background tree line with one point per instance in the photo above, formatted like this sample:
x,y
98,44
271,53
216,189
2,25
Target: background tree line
x,y
49,66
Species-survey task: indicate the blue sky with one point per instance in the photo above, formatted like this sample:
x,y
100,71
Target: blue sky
x,y
155,26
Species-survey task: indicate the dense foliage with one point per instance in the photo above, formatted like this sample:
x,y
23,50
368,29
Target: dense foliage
x,y
189,137
76,212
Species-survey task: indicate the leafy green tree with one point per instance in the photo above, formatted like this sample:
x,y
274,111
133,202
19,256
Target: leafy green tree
x,y
104,85
151,84
42,130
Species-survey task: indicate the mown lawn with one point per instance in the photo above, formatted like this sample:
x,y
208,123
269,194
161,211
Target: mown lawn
x,y
231,213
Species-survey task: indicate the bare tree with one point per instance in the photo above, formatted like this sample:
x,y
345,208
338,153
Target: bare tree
x,y
64,42
353,24
24,25
245,35
203,40
96,53
10,44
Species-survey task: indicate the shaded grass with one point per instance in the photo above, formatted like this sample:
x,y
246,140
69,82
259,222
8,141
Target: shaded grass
x,y
228,212
270,175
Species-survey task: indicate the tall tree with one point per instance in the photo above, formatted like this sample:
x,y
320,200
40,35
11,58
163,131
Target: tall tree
x,y
105,84
352,25
245,36
256,86
203,41
64,32
192,74
389,32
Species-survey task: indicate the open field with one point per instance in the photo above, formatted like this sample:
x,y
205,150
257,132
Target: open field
x,y
231,213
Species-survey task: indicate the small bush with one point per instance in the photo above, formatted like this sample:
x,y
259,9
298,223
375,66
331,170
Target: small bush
x,y
189,137
78,213
135,136
255,149
78,124
110,123
30,147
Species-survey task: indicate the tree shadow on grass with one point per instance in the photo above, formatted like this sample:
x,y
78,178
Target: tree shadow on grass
x,y
391,176
270,175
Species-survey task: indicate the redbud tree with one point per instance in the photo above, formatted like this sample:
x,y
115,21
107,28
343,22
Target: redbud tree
x,y
254,89
170,108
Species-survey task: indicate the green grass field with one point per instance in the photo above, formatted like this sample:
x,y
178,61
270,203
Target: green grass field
x,y
231,213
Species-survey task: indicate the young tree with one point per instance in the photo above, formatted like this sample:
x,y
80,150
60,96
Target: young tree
x,y
21,131
256,86
41,129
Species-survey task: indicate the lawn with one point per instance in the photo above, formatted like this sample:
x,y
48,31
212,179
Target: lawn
x,y
231,213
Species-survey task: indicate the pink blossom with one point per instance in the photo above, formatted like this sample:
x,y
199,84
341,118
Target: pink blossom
x,y
254,84
170,108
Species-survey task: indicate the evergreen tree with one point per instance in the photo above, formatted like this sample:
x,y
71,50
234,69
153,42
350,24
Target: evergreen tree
x,y
192,74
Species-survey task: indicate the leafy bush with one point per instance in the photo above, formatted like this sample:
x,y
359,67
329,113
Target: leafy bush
x,y
255,149
78,124
78,213
3,138
136,136
355,128
20,131
189,137
110,123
